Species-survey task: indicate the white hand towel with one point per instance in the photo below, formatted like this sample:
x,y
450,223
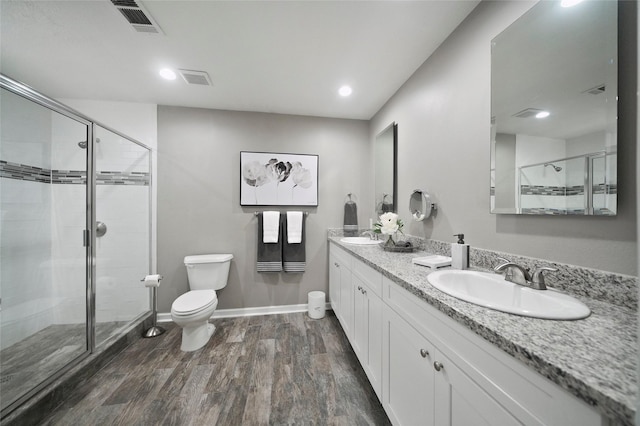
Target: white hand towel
x,y
270,226
294,227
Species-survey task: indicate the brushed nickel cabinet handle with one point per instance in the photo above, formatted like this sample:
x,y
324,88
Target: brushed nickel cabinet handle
x,y
438,366
424,353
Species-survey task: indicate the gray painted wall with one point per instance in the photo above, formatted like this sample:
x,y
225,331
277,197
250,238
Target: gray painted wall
x,y
443,114
199,202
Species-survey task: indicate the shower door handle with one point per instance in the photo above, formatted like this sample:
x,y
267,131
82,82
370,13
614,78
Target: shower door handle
x,y
101,229
85,238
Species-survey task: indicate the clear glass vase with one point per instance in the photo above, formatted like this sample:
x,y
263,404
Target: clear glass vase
x,y
390,241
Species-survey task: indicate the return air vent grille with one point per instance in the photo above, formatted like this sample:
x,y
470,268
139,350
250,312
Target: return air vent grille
x,y
124,3
527,113
137,16
196,77
601,88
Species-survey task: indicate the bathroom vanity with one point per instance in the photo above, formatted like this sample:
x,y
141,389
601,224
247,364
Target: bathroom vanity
x,y
436,360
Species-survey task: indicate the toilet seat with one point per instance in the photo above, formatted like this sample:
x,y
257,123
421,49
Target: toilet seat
x,y
193,302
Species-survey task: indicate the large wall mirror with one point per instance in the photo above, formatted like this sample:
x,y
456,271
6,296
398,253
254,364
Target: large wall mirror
x,y
554,111
385,183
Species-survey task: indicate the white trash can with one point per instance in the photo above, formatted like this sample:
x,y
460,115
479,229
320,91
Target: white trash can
x,y
317,304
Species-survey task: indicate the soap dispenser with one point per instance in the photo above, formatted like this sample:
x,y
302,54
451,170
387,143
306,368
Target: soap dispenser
x,y
460,253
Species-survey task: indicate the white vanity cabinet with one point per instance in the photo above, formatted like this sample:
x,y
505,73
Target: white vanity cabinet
x,y
367,321
340,290
428,369
453,377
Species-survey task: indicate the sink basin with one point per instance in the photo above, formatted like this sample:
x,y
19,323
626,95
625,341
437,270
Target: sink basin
x,y
361,241
494,292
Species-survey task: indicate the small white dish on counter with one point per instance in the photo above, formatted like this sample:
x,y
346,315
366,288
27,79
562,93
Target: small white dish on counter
x,y
494,292
434,262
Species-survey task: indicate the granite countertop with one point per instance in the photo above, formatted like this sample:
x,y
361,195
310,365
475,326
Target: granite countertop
x,y
594,358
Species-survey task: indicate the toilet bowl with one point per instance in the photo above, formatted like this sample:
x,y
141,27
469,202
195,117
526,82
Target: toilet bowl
x,y
192,310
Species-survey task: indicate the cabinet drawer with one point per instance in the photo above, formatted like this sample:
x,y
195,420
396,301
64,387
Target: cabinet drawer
x,y
341,255
368,275
525,393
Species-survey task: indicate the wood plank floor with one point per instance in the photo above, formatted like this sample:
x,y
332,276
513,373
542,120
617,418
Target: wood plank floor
x,y
30,361
278,369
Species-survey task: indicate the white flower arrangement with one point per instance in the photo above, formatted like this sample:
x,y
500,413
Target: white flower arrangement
x,y
388,224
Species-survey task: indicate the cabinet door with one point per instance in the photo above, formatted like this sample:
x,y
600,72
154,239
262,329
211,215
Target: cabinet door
x,y
407,373
460,401
360,319
334,284
374,342
346,300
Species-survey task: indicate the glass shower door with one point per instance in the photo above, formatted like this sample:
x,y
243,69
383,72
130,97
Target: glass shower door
x,y
123,231
43,259
603,184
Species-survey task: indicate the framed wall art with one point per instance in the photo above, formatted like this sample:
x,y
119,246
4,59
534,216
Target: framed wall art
x,y
278,179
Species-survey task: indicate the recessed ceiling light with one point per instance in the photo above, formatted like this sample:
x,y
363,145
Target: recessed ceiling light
x,y
167,74
345,91
542,114
569,3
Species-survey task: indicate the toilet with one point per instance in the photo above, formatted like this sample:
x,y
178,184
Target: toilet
x,y
191,311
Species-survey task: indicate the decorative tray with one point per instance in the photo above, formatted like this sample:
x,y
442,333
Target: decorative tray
x,y
398,249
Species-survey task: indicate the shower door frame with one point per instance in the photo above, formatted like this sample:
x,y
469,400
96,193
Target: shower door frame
x,y
89,233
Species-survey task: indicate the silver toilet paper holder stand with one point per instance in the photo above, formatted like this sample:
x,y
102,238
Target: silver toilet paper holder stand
x,y
155,329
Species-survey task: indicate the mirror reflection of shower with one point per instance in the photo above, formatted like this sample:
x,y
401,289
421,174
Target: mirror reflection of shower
x,y
556,168
578,185
83,144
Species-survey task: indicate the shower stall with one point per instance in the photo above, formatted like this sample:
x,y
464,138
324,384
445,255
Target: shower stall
x,y
583,184
75,239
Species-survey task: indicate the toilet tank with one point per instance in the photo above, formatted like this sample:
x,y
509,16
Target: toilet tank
x,y
208,271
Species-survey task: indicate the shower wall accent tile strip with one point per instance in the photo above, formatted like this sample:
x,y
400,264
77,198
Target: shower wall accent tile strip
x,y
22,172
551,190
569,190
605,189
69,177
122,178
77,177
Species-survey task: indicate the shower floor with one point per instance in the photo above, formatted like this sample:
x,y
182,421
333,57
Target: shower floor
x,y
32,360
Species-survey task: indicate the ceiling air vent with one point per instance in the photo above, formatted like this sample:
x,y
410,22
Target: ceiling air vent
x,y
526,113
137,16
196,77
600,88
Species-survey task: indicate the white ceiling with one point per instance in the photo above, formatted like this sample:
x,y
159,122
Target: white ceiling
x,y
285,57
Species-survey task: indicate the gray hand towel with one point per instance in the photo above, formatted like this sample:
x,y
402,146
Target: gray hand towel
x,y
269,254
386,207
293,255
350,218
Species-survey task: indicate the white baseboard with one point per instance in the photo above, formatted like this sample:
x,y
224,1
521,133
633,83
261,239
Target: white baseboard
x,y
249,312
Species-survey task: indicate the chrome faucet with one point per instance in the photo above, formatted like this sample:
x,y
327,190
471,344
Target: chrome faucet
x,y
520,275
372,235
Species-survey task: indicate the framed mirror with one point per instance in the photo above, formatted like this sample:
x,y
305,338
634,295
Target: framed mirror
x,y
386,170
554,111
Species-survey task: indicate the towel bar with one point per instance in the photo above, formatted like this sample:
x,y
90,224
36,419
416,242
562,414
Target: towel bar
x,y
257,213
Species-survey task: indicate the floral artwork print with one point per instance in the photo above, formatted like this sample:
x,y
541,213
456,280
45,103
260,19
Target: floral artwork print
x,y
278,179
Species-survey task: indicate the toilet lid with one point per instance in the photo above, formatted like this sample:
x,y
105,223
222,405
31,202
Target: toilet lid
x,y
194,301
